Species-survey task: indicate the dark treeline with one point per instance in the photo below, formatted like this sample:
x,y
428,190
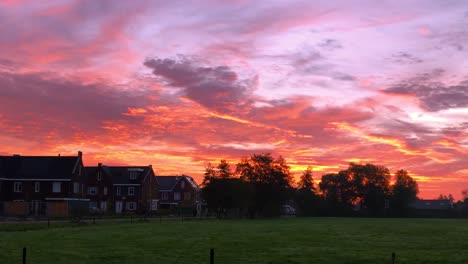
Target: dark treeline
x,y
260,184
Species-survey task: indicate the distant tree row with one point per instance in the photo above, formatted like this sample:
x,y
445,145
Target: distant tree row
x,y
260,184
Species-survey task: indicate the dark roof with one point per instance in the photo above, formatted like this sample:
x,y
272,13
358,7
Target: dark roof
x,y
37,167
90,171
168,182
121,174
432,204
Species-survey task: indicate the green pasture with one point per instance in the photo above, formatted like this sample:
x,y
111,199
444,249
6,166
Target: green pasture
x,y
285,240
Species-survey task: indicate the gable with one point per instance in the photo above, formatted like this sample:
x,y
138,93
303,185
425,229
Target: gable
x,y
167,183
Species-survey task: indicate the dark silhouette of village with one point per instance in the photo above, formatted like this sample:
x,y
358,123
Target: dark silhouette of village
x,y
259,185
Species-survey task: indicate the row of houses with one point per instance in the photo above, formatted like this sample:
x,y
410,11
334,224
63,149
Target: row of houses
x,y
63,186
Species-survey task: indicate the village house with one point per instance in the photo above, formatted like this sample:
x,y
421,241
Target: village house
x,y
178,192
42,185
119,189
432,208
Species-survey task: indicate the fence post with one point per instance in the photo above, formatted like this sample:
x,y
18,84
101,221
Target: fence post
x,y
393,258
24,255
212,256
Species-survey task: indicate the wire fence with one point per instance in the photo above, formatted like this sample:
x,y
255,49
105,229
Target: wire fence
x,y
211,258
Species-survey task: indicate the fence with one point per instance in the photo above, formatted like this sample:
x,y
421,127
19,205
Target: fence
x,y
212,256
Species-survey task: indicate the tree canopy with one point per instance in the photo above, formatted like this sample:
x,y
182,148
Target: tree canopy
x,y
260,183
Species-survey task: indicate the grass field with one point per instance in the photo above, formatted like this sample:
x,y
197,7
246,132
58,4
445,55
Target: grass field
x,y
293,240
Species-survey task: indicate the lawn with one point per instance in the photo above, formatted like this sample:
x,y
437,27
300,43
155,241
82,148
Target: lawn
x,y
292,240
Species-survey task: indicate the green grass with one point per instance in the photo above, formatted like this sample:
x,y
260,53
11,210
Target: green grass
x,y
293,240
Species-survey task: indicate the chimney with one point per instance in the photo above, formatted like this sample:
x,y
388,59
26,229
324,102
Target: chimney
x,y
16,155
99,164
80,154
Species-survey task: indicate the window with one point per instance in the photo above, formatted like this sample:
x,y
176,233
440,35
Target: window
x,y
99,176
37,187
103,206
56,187
118,191
105,190
76,187
187,196
182,184
133,175
177,196
131,206
18,187
164,196
131,190
92,190
92,205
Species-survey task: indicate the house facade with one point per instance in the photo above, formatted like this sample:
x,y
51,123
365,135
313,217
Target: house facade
x,y
99,189
178,192
122,189
42,185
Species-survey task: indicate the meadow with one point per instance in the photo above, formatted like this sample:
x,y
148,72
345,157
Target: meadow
x,y
290,240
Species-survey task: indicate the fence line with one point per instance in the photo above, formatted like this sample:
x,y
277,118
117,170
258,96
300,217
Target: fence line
x,y
212,256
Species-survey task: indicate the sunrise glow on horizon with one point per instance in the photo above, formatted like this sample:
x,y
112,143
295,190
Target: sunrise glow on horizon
x,y
178,84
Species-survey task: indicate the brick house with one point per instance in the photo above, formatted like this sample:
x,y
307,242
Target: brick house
x,y
178,192
42,185
120,189
99,189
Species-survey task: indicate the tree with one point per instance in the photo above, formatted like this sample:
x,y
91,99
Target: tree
x,y
338,192
372,186
465,194
223,192
224,170
271,180
464,211
446,197
209,174
403,192
307,182
306,197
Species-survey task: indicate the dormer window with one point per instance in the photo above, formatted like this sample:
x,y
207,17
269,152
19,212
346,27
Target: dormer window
x,y
134,172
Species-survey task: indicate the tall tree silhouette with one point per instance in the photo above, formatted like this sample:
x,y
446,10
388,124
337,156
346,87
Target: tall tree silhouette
x,y
223,193
306,197
307,182
403,192
271,180
372,186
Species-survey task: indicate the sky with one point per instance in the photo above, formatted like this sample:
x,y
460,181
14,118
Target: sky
x,y
178,84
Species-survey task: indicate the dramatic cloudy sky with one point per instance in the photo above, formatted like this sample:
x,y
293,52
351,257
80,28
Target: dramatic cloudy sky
x,y
177,84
